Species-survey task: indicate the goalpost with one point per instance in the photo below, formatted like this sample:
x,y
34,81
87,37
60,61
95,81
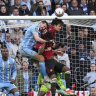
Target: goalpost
x,y
78,36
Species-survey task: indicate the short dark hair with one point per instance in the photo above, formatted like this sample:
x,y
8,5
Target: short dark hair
x,y
3,46
57,21
45,23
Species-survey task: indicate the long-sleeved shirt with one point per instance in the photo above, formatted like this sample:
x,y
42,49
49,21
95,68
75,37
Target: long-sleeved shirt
x,y
7,70
90,77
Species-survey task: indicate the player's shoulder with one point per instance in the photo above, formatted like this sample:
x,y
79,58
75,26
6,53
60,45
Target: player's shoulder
x,y
35,28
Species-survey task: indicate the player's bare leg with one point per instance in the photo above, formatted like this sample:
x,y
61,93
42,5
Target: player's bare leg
x,y
15,92
42,68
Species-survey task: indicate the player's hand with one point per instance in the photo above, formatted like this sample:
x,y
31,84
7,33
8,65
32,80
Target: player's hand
x,y
12,81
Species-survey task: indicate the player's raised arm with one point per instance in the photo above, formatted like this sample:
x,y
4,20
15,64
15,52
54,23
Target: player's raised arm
x,y
38,39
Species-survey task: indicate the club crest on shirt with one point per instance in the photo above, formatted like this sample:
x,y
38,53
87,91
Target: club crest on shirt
x,y
51,70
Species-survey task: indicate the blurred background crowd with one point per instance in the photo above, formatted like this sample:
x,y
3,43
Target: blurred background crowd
x,y
46,7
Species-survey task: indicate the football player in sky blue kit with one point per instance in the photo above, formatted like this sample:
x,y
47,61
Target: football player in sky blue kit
x,y
8,73
32,36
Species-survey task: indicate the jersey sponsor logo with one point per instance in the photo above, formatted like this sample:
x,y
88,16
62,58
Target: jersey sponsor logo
x,y
36,29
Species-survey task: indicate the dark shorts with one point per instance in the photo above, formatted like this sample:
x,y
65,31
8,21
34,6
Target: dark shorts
x,y
53,67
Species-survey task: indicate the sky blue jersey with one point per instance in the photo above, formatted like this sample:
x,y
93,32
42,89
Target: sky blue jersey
x,y
7,70
28,41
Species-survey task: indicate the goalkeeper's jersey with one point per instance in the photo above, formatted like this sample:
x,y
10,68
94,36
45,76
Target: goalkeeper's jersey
x,y
59,81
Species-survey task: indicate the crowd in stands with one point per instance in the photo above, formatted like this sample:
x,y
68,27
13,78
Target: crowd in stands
x,y
77,43
46,7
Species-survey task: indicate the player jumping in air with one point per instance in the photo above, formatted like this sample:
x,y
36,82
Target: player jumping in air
x,y
52,65
32,36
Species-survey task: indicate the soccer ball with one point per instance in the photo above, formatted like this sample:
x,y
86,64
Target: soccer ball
x,y
59,12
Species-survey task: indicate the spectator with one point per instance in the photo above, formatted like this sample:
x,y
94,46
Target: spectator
x,y
80,71
84,6
87,39
83,52
8,40
56,1
91,76
12,2
17,32
24,9
44,12
75,10
92,5
23,78
92,12
92,57
14,22
64,8
38,12
64,58
67,3
34,7
15,46
16,5
9,44
27,4
19,60
15,12
3,11
69,34
35,73
79,37
2,2
59,6
74,62
56,6
92,91
2,24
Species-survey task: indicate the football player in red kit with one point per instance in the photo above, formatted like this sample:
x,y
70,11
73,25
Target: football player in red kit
x,y
56,25
52,65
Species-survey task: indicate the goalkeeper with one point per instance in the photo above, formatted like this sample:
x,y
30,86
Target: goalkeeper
x,y
45,88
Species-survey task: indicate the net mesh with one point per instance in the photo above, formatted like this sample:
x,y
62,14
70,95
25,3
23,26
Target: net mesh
x,y
78,38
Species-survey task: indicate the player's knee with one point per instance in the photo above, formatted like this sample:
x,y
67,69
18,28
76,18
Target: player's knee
x,y
54,80
41,59
16,94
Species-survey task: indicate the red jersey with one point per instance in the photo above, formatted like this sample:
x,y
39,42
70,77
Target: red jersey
x,y
52,30
47,51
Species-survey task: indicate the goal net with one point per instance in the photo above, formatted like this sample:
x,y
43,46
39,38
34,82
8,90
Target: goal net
x,y
77,39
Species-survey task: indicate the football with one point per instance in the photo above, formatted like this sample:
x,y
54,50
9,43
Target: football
x,y
59,12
